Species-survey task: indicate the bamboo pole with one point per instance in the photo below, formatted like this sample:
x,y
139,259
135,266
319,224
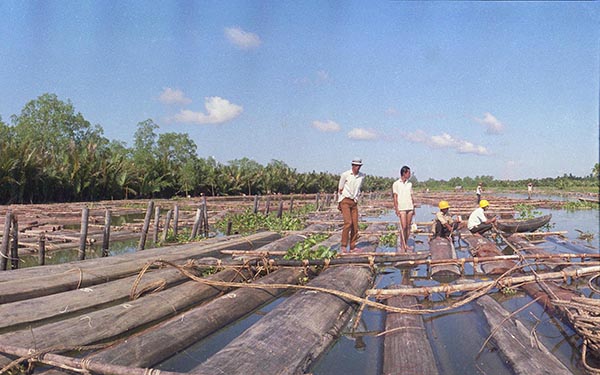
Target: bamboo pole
x,y
502,282
83,365
167,224
205,217
196,224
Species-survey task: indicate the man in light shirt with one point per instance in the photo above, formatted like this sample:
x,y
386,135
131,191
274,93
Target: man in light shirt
x,y
403,205
349,192
478,222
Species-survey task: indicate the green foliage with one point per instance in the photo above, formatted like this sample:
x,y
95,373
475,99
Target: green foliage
x,y
578,205
302,250
389,239
51,153
527,211
249,222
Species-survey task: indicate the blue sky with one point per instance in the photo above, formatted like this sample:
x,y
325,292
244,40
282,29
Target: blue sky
x,y
452,89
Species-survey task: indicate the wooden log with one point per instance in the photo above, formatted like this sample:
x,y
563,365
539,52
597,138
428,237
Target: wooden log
x,y
255,210
406,348
313,319
142,243
106,233
164,340
579,248
522,245
5,241
82,365
464,287
479,246
514,340
280,209
66,304
113,321
77,277
441,248
208,247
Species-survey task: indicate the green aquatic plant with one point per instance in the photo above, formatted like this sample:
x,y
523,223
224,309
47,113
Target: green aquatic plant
x,y
578,205
249,222
389,239
304,250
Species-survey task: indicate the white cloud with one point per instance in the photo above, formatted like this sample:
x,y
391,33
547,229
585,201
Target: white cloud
x,y
362,134
218,110
493,125
173,96
445,140
326,126
242,39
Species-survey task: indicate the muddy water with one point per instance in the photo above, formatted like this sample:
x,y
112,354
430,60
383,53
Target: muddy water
x,y
457,337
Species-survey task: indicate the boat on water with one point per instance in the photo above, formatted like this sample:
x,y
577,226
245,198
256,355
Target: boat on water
x,y
519,226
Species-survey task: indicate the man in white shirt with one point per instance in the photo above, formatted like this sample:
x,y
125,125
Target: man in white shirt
x,y
349,192
403,205
478,222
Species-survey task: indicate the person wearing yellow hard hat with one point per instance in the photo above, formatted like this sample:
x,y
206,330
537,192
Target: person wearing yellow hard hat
x,y
444,224
478,222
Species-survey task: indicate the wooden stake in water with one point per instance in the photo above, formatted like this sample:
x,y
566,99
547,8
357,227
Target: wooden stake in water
x,y
42,250
85,213
156,224
106,233
196,224
149,210
255,204
5,241
175,220
166,228
14,249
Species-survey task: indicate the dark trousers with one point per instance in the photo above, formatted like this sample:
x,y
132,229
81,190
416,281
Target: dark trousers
x,y
442,231
481,228
478,198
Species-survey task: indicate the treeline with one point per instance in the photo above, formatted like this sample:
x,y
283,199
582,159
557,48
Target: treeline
x,y
565,182
51,153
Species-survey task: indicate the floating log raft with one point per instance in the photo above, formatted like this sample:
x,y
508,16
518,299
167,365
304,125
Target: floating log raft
x,y
82,275
522,245
313,319
406,348
441,248
480,246
150,347
514,340
108,323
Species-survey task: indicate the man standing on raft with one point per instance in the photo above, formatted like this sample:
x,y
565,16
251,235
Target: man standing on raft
x,y
349,192
403,205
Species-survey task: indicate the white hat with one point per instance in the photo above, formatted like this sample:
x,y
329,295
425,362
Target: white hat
x,y
357,161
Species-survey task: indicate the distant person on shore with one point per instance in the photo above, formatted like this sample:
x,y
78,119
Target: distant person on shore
x,y
444,224
403,205
478,192
349,192
529,190
478,222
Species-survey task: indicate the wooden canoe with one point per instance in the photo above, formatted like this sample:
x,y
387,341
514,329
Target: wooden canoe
x,y
519,226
